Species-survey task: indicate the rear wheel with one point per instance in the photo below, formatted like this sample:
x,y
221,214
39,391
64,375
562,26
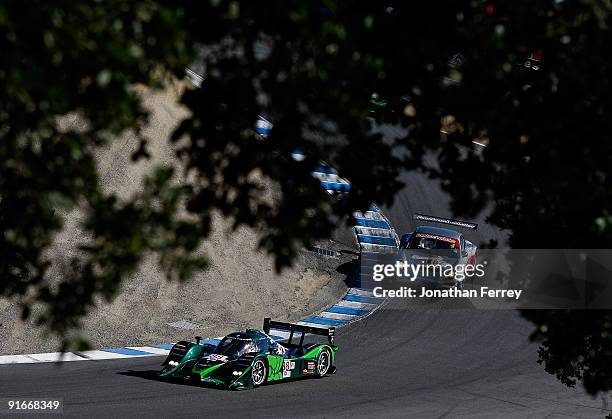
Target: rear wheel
x,y
259,371
323,362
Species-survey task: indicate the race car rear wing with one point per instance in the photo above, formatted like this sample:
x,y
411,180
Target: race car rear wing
x,y
450,221
329,332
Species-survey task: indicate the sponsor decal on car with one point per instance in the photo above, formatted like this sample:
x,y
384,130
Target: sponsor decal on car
x,y
434,237
216,357
310,368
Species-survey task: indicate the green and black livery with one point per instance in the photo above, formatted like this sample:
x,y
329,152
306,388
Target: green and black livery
x,y
251,358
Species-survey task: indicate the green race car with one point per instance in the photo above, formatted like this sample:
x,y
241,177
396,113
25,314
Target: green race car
x,y
251,358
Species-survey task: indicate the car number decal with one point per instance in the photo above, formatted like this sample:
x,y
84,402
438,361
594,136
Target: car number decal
x,y
288,366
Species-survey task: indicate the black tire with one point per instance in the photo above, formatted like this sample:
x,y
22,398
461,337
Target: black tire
x,y
324,362
259,372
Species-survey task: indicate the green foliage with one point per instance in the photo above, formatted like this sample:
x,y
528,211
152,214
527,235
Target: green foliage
x,y
312,67
81,60
576,346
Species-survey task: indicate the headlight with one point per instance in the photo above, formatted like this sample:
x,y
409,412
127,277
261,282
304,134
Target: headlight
x,y
173,363
237,373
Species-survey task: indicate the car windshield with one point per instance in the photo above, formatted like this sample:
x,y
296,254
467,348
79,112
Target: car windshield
x,y
235,347
433,242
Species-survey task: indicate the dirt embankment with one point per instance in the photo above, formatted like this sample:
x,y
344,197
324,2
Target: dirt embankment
x,y
238,290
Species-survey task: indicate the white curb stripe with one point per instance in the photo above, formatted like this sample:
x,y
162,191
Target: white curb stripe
x,y
357,291
337,316
99,354
17,359
57,357
356,304
152,350
369,215
320,326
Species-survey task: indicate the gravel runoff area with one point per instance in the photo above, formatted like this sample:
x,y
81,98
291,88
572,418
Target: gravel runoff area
x,y
238,289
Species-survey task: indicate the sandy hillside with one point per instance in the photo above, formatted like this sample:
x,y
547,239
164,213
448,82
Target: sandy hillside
x,y
238,290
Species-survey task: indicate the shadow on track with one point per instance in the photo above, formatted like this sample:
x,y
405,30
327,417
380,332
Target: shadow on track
x,y
153,375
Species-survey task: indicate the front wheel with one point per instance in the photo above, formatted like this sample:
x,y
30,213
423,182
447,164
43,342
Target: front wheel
x,y
323,362
259,371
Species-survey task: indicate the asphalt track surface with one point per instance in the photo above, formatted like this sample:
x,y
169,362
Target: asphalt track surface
x,y
420,362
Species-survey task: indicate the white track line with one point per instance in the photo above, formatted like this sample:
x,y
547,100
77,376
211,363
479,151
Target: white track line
x,y
17,359
57,357
98,355
337,316
156,351
365,293
356,304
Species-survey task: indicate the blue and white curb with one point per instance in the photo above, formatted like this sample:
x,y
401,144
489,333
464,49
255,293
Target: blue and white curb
x,y
110,353
326,175
329,179
374,232
263,127
355,305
